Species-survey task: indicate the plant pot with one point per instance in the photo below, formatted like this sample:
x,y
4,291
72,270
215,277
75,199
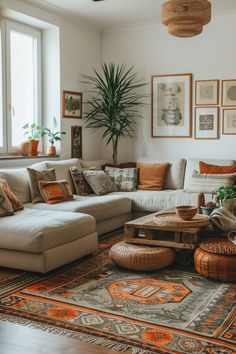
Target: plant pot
x,y
51,150
34,147
207,211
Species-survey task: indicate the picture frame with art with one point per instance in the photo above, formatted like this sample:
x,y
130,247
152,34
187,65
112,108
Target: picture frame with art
x,y
206,123
229,121
172,106
72,104
76,142
228,93
207,92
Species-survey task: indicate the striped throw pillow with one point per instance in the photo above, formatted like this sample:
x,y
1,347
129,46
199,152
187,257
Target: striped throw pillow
x,y
207,183
55,191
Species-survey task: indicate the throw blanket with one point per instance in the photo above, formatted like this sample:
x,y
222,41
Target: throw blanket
x,y
232,237
223,219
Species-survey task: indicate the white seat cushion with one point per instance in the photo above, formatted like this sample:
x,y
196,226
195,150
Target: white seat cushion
x,y
35,231
151,201
100,207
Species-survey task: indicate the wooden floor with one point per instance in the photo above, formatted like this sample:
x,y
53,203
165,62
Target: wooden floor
x,y
15,339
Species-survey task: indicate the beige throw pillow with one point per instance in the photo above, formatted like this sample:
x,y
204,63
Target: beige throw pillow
x,y
100,182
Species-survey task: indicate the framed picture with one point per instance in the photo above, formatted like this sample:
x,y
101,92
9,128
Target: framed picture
x,y
76,142
207,92
228,93
72,104
207,123
172,106
229,122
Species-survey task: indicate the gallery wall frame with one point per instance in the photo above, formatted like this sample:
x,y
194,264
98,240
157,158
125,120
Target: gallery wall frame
x,y
76,142
207,92
72,104
229,121
206,123
171,106
228,93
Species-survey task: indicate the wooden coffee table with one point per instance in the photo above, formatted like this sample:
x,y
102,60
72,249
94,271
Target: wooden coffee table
x,y
166,229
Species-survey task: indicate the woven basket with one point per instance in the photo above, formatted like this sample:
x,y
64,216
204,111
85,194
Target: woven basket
x,y
139,257
216,259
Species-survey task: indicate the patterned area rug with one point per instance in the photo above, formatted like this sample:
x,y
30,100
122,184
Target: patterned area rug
x,y
168,311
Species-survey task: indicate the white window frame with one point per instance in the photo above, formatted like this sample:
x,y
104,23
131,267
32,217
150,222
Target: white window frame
x,y
3,149
8,26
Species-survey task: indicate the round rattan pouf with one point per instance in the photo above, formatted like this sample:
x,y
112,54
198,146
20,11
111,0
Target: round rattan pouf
x,y
216,259
139,257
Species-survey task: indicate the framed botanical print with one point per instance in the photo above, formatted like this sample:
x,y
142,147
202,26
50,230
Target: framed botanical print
x,y
207,92
229,93
72,104
76,142
207,123
229,122
172,106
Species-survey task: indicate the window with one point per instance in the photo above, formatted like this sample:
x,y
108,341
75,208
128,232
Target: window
x,y
20,94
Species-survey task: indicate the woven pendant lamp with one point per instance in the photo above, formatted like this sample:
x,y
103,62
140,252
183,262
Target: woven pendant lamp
x,y
186,18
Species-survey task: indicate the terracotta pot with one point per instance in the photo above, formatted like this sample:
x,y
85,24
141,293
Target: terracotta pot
x,y
51,151
34,147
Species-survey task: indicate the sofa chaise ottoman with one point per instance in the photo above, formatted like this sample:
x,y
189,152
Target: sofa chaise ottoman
x,y
41,240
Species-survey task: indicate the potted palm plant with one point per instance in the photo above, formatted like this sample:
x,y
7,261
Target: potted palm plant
x,y
34,133
114,104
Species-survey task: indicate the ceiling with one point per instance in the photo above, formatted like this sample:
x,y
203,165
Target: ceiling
x,y
115,13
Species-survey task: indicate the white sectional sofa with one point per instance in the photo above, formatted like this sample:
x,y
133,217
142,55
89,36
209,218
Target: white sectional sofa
x,y
43,237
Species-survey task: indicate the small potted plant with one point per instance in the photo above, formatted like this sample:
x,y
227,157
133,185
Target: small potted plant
x,y
53,137
34,133
227,197
209,208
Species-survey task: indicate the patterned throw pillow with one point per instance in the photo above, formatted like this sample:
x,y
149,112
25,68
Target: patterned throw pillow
x,y
100,182
36,176
5,205
55,191
207,183
81,185
126,179
15,203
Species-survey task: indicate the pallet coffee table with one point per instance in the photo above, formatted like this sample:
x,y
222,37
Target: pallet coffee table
x,y
166,229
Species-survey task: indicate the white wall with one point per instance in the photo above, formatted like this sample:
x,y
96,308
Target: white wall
x,y
80,51
152,51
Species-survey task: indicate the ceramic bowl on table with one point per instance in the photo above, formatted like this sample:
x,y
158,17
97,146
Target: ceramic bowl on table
x,y
186,212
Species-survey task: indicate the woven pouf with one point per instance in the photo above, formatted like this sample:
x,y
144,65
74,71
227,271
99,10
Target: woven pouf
x,y
139,257
216,259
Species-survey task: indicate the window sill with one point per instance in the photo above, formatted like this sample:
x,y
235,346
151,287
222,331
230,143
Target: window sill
x,y
18,157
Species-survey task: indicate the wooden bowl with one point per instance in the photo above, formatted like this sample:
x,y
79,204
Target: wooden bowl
x,y
186,212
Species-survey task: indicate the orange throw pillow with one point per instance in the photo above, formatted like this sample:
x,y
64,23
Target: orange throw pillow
x,y
54,192
15,203
216,170
152,176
